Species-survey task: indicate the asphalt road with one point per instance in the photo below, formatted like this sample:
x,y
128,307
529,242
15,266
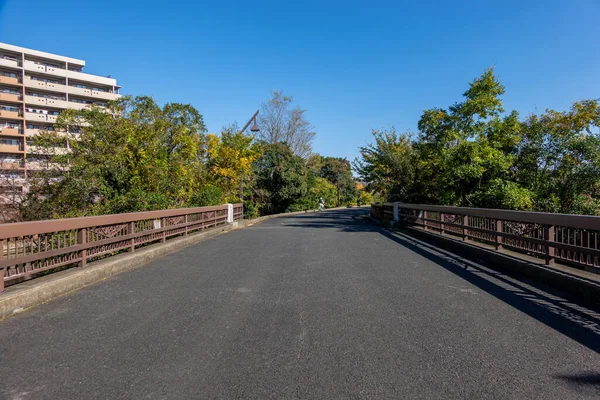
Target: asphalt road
x,y
316,306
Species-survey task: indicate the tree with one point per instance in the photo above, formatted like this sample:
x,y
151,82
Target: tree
x,y
279,122
131,156
388,165
322,188
337,170
559,159
466,148
475,154
281,179
230,159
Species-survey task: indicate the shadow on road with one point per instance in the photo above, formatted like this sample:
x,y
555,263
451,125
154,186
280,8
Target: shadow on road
x,y
586,378
539,301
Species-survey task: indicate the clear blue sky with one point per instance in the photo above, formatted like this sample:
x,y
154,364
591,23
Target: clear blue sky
x,y
354,65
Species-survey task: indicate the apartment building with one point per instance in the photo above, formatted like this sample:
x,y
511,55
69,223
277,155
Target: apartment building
x,y
34,88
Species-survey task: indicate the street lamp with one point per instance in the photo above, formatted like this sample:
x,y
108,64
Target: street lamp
x,y
253,129
255,126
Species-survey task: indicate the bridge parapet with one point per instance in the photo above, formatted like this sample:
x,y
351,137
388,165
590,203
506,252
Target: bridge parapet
x,y
566,238
28,248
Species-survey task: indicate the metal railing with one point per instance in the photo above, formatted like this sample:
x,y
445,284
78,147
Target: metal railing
x,y
28,248
565,238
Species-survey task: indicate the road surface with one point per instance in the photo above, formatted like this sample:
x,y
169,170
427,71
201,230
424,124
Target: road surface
x,y
315,306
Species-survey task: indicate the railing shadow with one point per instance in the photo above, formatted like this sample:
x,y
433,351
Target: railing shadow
x,y
534,299
537,300
586,378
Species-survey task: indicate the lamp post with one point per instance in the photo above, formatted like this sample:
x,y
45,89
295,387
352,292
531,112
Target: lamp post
x,y
255,126
253,129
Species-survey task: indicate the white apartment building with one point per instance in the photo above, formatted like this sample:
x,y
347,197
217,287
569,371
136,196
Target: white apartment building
x,y
34,88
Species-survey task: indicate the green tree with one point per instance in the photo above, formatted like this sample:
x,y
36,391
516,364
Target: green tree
x,y
559,159
281,179
131,156
388,165
467,148
338,171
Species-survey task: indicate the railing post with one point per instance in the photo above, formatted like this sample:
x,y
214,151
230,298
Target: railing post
x,y
163,222
465,228
442,231
132,230
550,238
229,213
185,221
82,239
2,270
498,229
396,214
425,219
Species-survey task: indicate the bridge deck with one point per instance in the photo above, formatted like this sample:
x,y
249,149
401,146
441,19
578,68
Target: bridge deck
x,y
312,306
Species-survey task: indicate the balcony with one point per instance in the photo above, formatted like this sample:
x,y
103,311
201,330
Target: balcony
x,y
105,95
15,98
29,116
78,106
35,84
7,131
7,80
10,114
11,148
43,69
58,103
33,132
9,63
33,67
35,100
79,91
47,151
81,76
11,165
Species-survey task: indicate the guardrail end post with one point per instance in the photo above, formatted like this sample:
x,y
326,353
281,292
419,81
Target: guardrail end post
x,y
550,238
465,229
498,229
132,231
229,213
82,239
396,216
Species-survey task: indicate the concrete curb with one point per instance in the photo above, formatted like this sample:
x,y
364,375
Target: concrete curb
x,y
40,290
37,291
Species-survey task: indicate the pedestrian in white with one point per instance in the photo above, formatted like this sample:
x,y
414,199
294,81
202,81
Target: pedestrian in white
x,y
321,204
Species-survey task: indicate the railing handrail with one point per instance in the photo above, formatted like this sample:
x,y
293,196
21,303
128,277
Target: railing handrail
x,y
54,225
566,220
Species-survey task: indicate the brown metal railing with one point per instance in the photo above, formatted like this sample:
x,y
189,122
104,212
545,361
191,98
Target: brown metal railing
x,y
28,248
565,238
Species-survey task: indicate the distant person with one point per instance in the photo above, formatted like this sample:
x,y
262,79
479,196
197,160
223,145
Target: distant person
x,y
321,204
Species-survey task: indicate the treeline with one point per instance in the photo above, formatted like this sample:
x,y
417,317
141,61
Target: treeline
x,y
475,154
137,156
